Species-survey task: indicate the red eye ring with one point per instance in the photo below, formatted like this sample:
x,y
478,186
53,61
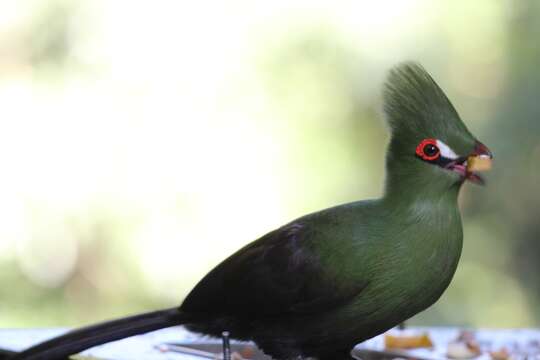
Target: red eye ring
x,y
428,144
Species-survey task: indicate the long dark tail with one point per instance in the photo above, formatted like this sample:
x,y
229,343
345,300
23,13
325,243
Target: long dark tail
x,y
75,341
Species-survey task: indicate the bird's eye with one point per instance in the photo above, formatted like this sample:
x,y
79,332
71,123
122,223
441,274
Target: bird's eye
x,y
428,150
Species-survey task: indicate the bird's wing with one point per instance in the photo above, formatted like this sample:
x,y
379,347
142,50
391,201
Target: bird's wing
x,y
279,274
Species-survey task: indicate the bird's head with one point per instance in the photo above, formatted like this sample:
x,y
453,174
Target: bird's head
x,y
430,147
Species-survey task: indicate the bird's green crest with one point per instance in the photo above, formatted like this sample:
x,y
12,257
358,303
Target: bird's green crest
x,y
417,108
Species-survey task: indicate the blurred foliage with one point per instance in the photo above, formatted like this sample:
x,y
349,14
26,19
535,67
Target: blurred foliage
x,y
144,142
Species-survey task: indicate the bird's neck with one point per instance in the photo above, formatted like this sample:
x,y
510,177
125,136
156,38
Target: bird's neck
x,y
403,188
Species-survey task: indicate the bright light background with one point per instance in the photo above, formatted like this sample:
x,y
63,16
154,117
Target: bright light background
x,y
144,141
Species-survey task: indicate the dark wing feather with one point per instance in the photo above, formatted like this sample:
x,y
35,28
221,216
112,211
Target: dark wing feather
x,y
279,274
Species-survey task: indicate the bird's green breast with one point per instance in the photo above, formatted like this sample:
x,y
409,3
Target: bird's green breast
x,y
421,253
407,254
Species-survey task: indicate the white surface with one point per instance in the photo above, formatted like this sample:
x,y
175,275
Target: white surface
x,y
142,347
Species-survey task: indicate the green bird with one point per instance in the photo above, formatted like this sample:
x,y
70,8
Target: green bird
x,y
326,281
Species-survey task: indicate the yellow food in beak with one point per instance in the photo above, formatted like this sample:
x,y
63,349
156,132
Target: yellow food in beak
x,y
478,163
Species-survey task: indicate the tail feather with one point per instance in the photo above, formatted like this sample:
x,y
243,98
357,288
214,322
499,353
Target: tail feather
x,y
75,341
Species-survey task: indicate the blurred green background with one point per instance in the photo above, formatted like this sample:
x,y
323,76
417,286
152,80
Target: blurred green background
x,y
141,142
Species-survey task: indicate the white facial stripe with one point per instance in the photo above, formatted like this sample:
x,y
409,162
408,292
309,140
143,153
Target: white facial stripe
x,y
446,151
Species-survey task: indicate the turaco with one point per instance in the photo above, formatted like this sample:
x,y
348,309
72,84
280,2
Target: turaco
x,y
326,281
